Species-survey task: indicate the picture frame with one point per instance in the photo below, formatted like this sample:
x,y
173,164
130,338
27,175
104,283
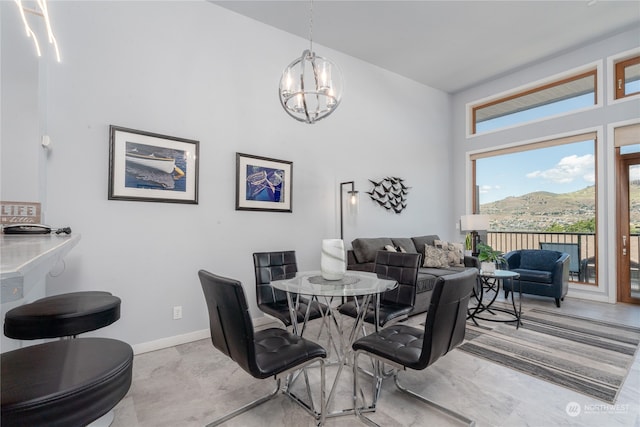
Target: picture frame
x,y
263,184
149,167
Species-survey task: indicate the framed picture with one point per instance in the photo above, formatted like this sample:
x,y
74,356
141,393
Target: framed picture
x,y
263,184
149,167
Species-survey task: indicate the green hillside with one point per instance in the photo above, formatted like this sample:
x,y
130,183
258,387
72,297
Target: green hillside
x,y
541,210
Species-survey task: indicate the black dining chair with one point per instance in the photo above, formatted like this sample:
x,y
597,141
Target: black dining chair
x,y
270,266
403,346
398,303
272,352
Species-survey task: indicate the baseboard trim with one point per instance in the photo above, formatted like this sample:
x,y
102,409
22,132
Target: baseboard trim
x,y
167,342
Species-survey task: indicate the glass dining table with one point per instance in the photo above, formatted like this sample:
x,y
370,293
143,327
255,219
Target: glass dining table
x,y
364,286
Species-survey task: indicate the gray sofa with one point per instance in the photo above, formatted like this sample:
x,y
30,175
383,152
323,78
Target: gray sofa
x,y
363,254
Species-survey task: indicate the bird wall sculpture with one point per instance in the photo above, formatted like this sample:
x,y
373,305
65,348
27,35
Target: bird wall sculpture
x,y
390,193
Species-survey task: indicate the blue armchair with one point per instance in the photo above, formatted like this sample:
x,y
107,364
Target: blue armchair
x,y
542,272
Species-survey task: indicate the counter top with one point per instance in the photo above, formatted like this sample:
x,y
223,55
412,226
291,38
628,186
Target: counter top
x,y
25,259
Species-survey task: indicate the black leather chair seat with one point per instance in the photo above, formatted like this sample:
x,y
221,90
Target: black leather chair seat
x,y
280,310
398,343
64,383
277,350
62,315
387,312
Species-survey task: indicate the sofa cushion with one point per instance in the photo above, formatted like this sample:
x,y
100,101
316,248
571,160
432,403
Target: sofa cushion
x,y
420,241
538,276
435,257
454,251
365,249
437,272
405,243
538,260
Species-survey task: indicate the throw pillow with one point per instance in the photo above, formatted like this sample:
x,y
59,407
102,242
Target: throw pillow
x,y
389,248
435,257
454,252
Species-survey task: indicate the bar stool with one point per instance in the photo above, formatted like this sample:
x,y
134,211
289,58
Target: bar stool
x,y
64,315
64,383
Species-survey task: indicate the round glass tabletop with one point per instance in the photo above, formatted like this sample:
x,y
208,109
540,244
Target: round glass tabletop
x,y
500,274
353,283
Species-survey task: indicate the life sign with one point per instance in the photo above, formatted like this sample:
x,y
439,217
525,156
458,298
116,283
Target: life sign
x,y
20,212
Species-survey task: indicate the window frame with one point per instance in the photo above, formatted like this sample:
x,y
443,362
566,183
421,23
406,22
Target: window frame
x,y
619,67
594,68
545,142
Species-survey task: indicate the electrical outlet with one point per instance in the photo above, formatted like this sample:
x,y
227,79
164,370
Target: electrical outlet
x,y
177,312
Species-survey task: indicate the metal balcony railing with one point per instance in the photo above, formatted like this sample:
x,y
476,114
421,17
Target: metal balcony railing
x,y
580,246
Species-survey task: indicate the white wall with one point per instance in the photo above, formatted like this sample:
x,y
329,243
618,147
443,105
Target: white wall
x,y
19,89
594,119
198,71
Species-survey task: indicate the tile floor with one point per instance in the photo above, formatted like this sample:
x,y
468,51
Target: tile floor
x,y
193,384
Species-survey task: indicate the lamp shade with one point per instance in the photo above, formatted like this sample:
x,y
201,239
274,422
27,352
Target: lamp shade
x,y
474,222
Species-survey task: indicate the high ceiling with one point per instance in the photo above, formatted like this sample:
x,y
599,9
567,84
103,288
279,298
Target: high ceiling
x,y
448,45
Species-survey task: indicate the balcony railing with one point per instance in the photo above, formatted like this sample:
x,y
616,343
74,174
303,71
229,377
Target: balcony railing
x,y
581,247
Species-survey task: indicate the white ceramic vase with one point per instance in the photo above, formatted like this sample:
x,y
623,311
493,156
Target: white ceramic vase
x,y
332,259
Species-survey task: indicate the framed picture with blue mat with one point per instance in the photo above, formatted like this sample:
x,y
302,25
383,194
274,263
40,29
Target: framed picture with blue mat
x,y
263,184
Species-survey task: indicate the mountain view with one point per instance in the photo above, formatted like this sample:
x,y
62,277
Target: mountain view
x,y
538,211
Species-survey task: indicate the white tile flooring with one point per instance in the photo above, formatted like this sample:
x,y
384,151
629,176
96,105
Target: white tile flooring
x,y
193,384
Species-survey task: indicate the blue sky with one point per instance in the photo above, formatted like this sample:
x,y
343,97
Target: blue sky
x,y
560,169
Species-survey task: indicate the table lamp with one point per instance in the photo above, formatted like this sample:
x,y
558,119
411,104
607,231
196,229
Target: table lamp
x,y
474,223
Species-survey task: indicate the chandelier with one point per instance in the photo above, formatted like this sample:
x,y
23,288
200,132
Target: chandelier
x,y
311,86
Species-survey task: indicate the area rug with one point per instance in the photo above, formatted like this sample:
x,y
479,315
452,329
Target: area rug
x,y
588,356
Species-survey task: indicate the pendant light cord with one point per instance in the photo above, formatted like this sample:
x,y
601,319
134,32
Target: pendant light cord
x,y
311,26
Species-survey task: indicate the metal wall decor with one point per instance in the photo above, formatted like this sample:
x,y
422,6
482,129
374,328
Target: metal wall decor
x,y
390,193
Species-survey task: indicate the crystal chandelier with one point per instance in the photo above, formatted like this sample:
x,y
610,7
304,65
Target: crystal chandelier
x,y
311,86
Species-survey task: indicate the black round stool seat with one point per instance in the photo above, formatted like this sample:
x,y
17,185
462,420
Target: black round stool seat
x,y
62,315
64,383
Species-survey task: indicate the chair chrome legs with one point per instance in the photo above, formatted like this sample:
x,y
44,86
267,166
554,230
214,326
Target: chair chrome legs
x,y
378,388
433,404
246,407
320,417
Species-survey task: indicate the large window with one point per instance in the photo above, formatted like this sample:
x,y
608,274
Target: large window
x,y
560,96
542,193
627,77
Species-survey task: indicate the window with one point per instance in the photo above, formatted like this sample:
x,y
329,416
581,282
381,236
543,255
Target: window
x,y
560,96
627,80
541,193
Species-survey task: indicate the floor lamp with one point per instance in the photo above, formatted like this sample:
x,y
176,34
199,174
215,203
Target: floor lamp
x,y
474,223
353,204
